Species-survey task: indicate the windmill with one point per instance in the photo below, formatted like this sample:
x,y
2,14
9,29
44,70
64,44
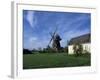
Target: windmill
x,y
55,39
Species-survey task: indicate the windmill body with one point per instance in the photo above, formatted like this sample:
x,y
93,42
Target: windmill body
x,y
55,40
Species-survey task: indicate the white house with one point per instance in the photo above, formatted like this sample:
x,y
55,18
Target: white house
x,y
84,40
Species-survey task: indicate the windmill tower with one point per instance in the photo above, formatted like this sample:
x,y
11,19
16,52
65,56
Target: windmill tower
x,y
55,39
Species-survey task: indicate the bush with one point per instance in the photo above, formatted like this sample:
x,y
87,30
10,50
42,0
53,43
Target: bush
x,y
78,49
26,51
86,52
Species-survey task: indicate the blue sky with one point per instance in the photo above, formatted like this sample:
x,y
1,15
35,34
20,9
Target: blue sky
x,y
37,26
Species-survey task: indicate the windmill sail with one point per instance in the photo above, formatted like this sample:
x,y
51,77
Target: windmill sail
x,y
52,36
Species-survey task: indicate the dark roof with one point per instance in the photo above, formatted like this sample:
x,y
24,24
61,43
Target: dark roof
x,y
80,39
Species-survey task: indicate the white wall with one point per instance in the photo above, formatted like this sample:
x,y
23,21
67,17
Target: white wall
x,y
86,46
70,49
5,41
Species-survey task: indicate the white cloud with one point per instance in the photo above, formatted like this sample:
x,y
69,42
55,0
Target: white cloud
x,y
75,33
36,43
31,39
77,22
31,18
71,34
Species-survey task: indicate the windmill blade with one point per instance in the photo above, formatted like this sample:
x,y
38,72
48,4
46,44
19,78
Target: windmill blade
x,y
50,41
52,36
55,31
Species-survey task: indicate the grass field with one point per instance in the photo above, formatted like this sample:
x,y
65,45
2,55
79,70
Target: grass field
x,y
47,60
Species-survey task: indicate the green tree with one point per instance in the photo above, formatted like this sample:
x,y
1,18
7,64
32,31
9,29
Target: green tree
x,y
78,49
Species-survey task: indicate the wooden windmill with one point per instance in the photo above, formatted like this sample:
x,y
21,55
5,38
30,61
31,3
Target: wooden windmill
x,y
55,39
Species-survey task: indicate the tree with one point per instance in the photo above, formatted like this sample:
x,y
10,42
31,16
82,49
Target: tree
x,y
26,51
78,49
66,49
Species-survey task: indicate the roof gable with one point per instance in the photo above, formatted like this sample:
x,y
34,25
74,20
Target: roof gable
x,y
80,39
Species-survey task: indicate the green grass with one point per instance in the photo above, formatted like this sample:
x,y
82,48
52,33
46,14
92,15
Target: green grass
x,y
47,60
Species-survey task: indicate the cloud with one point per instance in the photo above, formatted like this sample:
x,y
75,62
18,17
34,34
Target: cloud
x,y
69,26
71,34
31,39
36,43
31,18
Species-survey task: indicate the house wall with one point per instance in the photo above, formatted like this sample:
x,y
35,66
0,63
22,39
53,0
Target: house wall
x,y
86,47
70,49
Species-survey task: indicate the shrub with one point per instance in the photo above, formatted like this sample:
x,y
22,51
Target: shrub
x,y
86,52
26,51
78,49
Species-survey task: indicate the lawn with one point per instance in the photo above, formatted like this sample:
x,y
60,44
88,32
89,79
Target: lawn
x,y
47,60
